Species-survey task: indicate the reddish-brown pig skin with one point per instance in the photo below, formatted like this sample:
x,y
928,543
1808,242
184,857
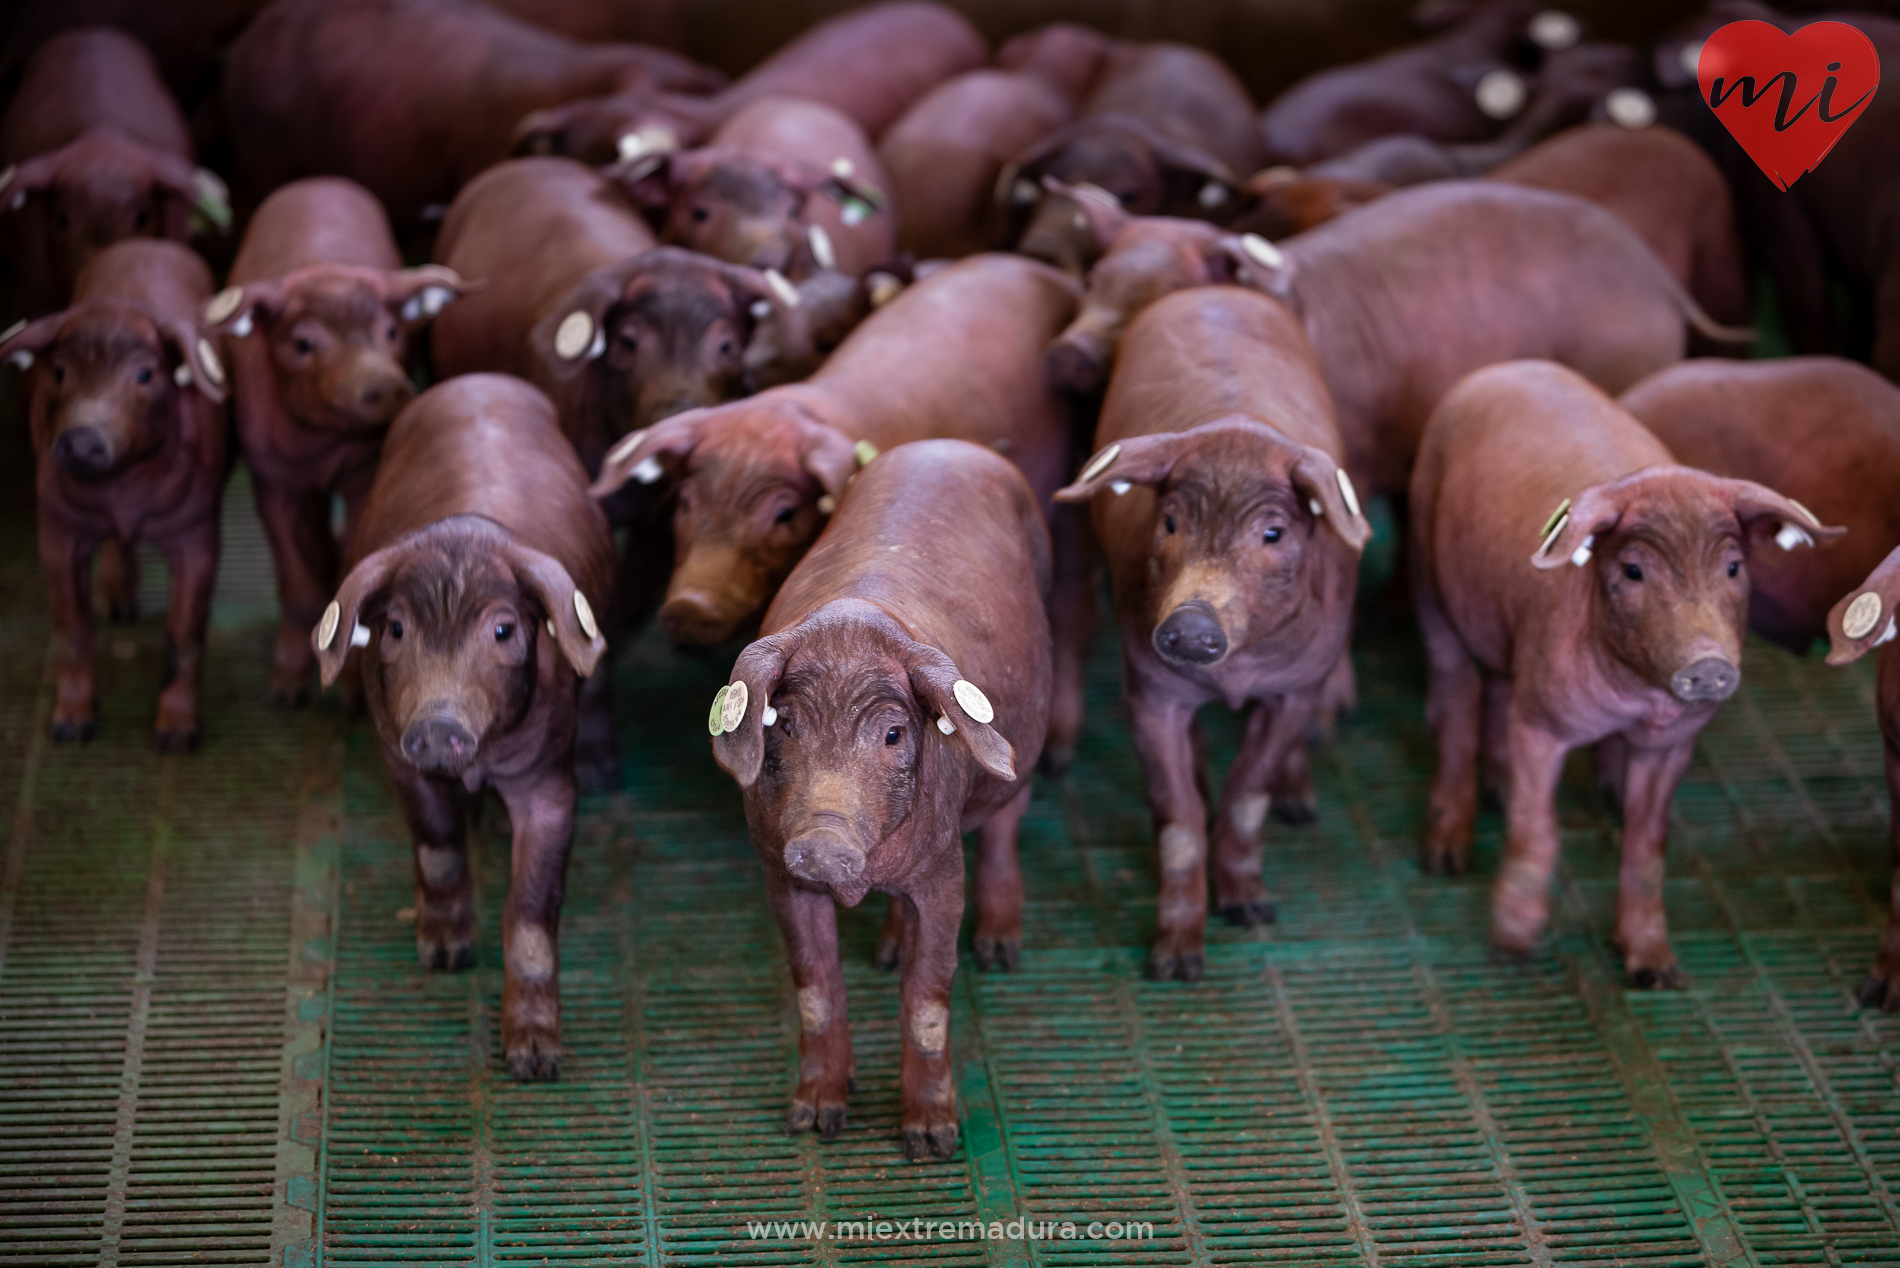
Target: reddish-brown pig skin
x,y
94,150
327,312
1625,623
475,548
769,175
1230,586
127,452
932,575
944,155
1881,987
1066,56
870,63
410,98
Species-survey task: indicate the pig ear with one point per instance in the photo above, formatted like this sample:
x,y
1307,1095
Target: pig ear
x,y
576,630
25,340
638,455
1142,460
1865,617
574,333
859,198
18,181
235,311
1326,486
1194,177
1101,209
831,457
1764,512
199,188
1572,528
336,631
1250,260
418,294
652,177
740,748
947,699
199,365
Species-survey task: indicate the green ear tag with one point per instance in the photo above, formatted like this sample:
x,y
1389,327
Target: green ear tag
x,y
1555,515
716,724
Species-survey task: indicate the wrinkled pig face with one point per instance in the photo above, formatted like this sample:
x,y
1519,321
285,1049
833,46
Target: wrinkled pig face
x,y
339,352
1673,581
106,388
840,771
742,211
674,347
456,639
743,518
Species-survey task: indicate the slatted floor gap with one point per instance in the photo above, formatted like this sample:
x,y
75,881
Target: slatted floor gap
x,y
216,1045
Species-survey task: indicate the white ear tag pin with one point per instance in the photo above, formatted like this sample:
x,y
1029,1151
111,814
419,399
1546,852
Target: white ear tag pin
x,y
359,635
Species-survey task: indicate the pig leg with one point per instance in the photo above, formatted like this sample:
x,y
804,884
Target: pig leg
x,y
437,813
1276,731
890,940
1164,737
1642,928
1882,987
297,526
931,917
1520,897
1613,759
543,817
119,578
808,920
998,941
1454,708
194,567
67,560
1290,795
1074,608
1494,772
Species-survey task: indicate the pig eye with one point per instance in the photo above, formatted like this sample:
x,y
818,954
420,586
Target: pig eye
x,y
1274,534
504,630
303,346
894,736
628,342
1633,572
700,215
1734,567
1168,523
785,516
142,219
395,628
59,374
144,374
725,349
390,334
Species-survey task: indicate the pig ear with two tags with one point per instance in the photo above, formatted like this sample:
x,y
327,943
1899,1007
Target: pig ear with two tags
x,y
1247,259
1570,534
1101,209
643,456
23,342
418,294
236,311
959,708
1766,514
858,199
1124,464
576,629
1865,616
1330,495
19,181
198,188
743,708
199,365
574,335
340,628
831,457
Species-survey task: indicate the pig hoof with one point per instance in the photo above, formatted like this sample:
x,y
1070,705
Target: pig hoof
x,y
445,954
1186,966
176,739
1880,992
826,1120
1646,978
1255,911
1296,811
72,730
536,1059
996,953
890,954
1439,861
287,693
922,1144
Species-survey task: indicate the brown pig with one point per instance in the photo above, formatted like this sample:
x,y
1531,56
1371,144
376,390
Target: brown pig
x,y
1824,431
411,98
894,701
316,327
1064,55
870,63
1864,619
1232,534
477,568
126,407
785,184
1621,617
1167,130
94,150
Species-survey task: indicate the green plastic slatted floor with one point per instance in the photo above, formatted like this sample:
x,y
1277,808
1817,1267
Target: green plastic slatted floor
x,y
216,1044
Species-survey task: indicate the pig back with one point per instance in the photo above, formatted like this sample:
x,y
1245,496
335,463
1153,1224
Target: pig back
x,y
1188,94
1211,351
169,279
960,356
489,445
528,229
91,78
322,220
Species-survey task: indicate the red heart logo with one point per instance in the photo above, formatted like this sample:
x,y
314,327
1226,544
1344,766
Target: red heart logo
x,y
1788,98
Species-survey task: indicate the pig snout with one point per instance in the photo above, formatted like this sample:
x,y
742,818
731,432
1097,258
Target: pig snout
x,y
1191,634
376,393
1076,361
82,450
438,741
693,618
823,857
1705,678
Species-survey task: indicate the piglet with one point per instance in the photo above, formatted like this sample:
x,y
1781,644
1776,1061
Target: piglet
x,y
1233,535
901,682
1622,616
126,406
316,325
479,563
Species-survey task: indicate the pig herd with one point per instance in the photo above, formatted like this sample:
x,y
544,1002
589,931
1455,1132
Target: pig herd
x,y
879,356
